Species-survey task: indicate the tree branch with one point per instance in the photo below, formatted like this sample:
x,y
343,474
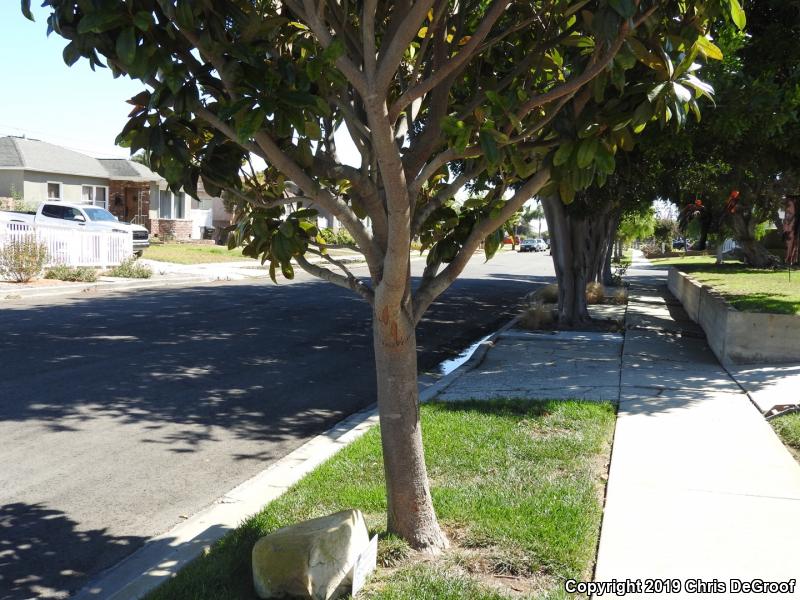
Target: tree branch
x,y
453,64
404,34
429,291
349,282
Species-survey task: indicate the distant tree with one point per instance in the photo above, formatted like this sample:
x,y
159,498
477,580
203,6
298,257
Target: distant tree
x,y
750,143
142,157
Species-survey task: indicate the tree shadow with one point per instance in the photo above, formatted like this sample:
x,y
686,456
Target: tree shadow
x,y
192,390
43,553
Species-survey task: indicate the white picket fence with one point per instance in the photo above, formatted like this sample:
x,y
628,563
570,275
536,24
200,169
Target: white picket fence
x,y
73,247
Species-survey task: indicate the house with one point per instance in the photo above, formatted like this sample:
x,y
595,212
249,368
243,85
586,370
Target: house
x,y
40,171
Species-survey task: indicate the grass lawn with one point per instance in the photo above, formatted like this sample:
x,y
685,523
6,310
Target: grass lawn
x,y
788,429
755,290
518,487
192,254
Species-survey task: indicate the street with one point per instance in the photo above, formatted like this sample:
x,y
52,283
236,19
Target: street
x,y
122,413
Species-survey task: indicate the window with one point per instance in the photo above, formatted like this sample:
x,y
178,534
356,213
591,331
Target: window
x,y
53,191
171,206
100,197
53,211
164,204
94,194
179,209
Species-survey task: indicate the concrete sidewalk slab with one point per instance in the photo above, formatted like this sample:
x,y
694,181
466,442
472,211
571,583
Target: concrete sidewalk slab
x,y
699,485
563,365
769,386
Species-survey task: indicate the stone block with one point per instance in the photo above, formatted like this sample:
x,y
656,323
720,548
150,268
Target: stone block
x,y
310,560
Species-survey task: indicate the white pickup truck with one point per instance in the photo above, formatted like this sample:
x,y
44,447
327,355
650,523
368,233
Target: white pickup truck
x,y
64,214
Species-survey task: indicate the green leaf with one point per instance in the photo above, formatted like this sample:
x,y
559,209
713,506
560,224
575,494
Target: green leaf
x,y
605,160
71,54
334,51
681,93
25,5
489,146
126,45
492,243
98,22
249,124
737,14
563,154
708,49
272,273
586,152
184,15
566,192
312,129
287,270
625,8
142,20
701,87
656,91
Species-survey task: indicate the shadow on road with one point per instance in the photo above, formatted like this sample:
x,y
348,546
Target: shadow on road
x,y
34,562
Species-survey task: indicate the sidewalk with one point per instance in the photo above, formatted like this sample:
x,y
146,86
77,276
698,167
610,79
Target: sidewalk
x,y
699,486
165,274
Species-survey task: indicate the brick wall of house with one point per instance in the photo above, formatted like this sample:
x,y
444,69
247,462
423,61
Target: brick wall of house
x,y
118,200
173,229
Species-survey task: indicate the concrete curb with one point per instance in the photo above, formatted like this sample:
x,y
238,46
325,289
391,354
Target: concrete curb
x,y
102,286
164,555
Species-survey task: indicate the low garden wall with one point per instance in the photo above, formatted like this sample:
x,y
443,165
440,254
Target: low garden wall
x,y
736,336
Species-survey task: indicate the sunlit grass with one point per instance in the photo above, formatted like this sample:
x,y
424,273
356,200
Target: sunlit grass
x,y
748,289
522,481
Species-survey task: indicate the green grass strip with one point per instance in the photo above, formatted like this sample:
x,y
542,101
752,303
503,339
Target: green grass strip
x,y
522,480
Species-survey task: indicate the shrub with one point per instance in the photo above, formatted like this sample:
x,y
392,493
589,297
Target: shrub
x,y
131,269
540,316
65,273
547,294
621,296
337,238
595,293
22,260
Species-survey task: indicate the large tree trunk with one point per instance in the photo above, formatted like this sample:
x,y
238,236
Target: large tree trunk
x,y
410,513
571,267
753,251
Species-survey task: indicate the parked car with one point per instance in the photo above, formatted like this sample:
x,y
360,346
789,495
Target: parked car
x,y
681,245
541,245
77,216
528,246
508,240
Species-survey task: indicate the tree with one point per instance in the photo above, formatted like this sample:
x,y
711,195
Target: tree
x,y
535,214
435,95
750,143
142,157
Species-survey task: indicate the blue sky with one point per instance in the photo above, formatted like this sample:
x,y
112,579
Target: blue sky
x,y
45,99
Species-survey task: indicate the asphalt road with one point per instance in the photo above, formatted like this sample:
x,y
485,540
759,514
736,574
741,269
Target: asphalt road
x,y
121,413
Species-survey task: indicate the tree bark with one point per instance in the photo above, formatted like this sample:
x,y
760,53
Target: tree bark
x,y
571,269
410,512
753,251
756,255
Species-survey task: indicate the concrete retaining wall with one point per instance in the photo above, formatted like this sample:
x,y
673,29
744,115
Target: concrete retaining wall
x,y
736,336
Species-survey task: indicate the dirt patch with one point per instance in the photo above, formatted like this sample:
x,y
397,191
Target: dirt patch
x,y
509,571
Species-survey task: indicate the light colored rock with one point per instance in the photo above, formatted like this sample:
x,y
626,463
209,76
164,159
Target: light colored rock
x,y
310,559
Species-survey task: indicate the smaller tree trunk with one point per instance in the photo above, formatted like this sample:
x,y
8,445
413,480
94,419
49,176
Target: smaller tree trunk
x,y
410,512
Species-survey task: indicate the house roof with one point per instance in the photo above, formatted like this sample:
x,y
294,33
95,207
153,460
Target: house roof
x,y
35,155
122,168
